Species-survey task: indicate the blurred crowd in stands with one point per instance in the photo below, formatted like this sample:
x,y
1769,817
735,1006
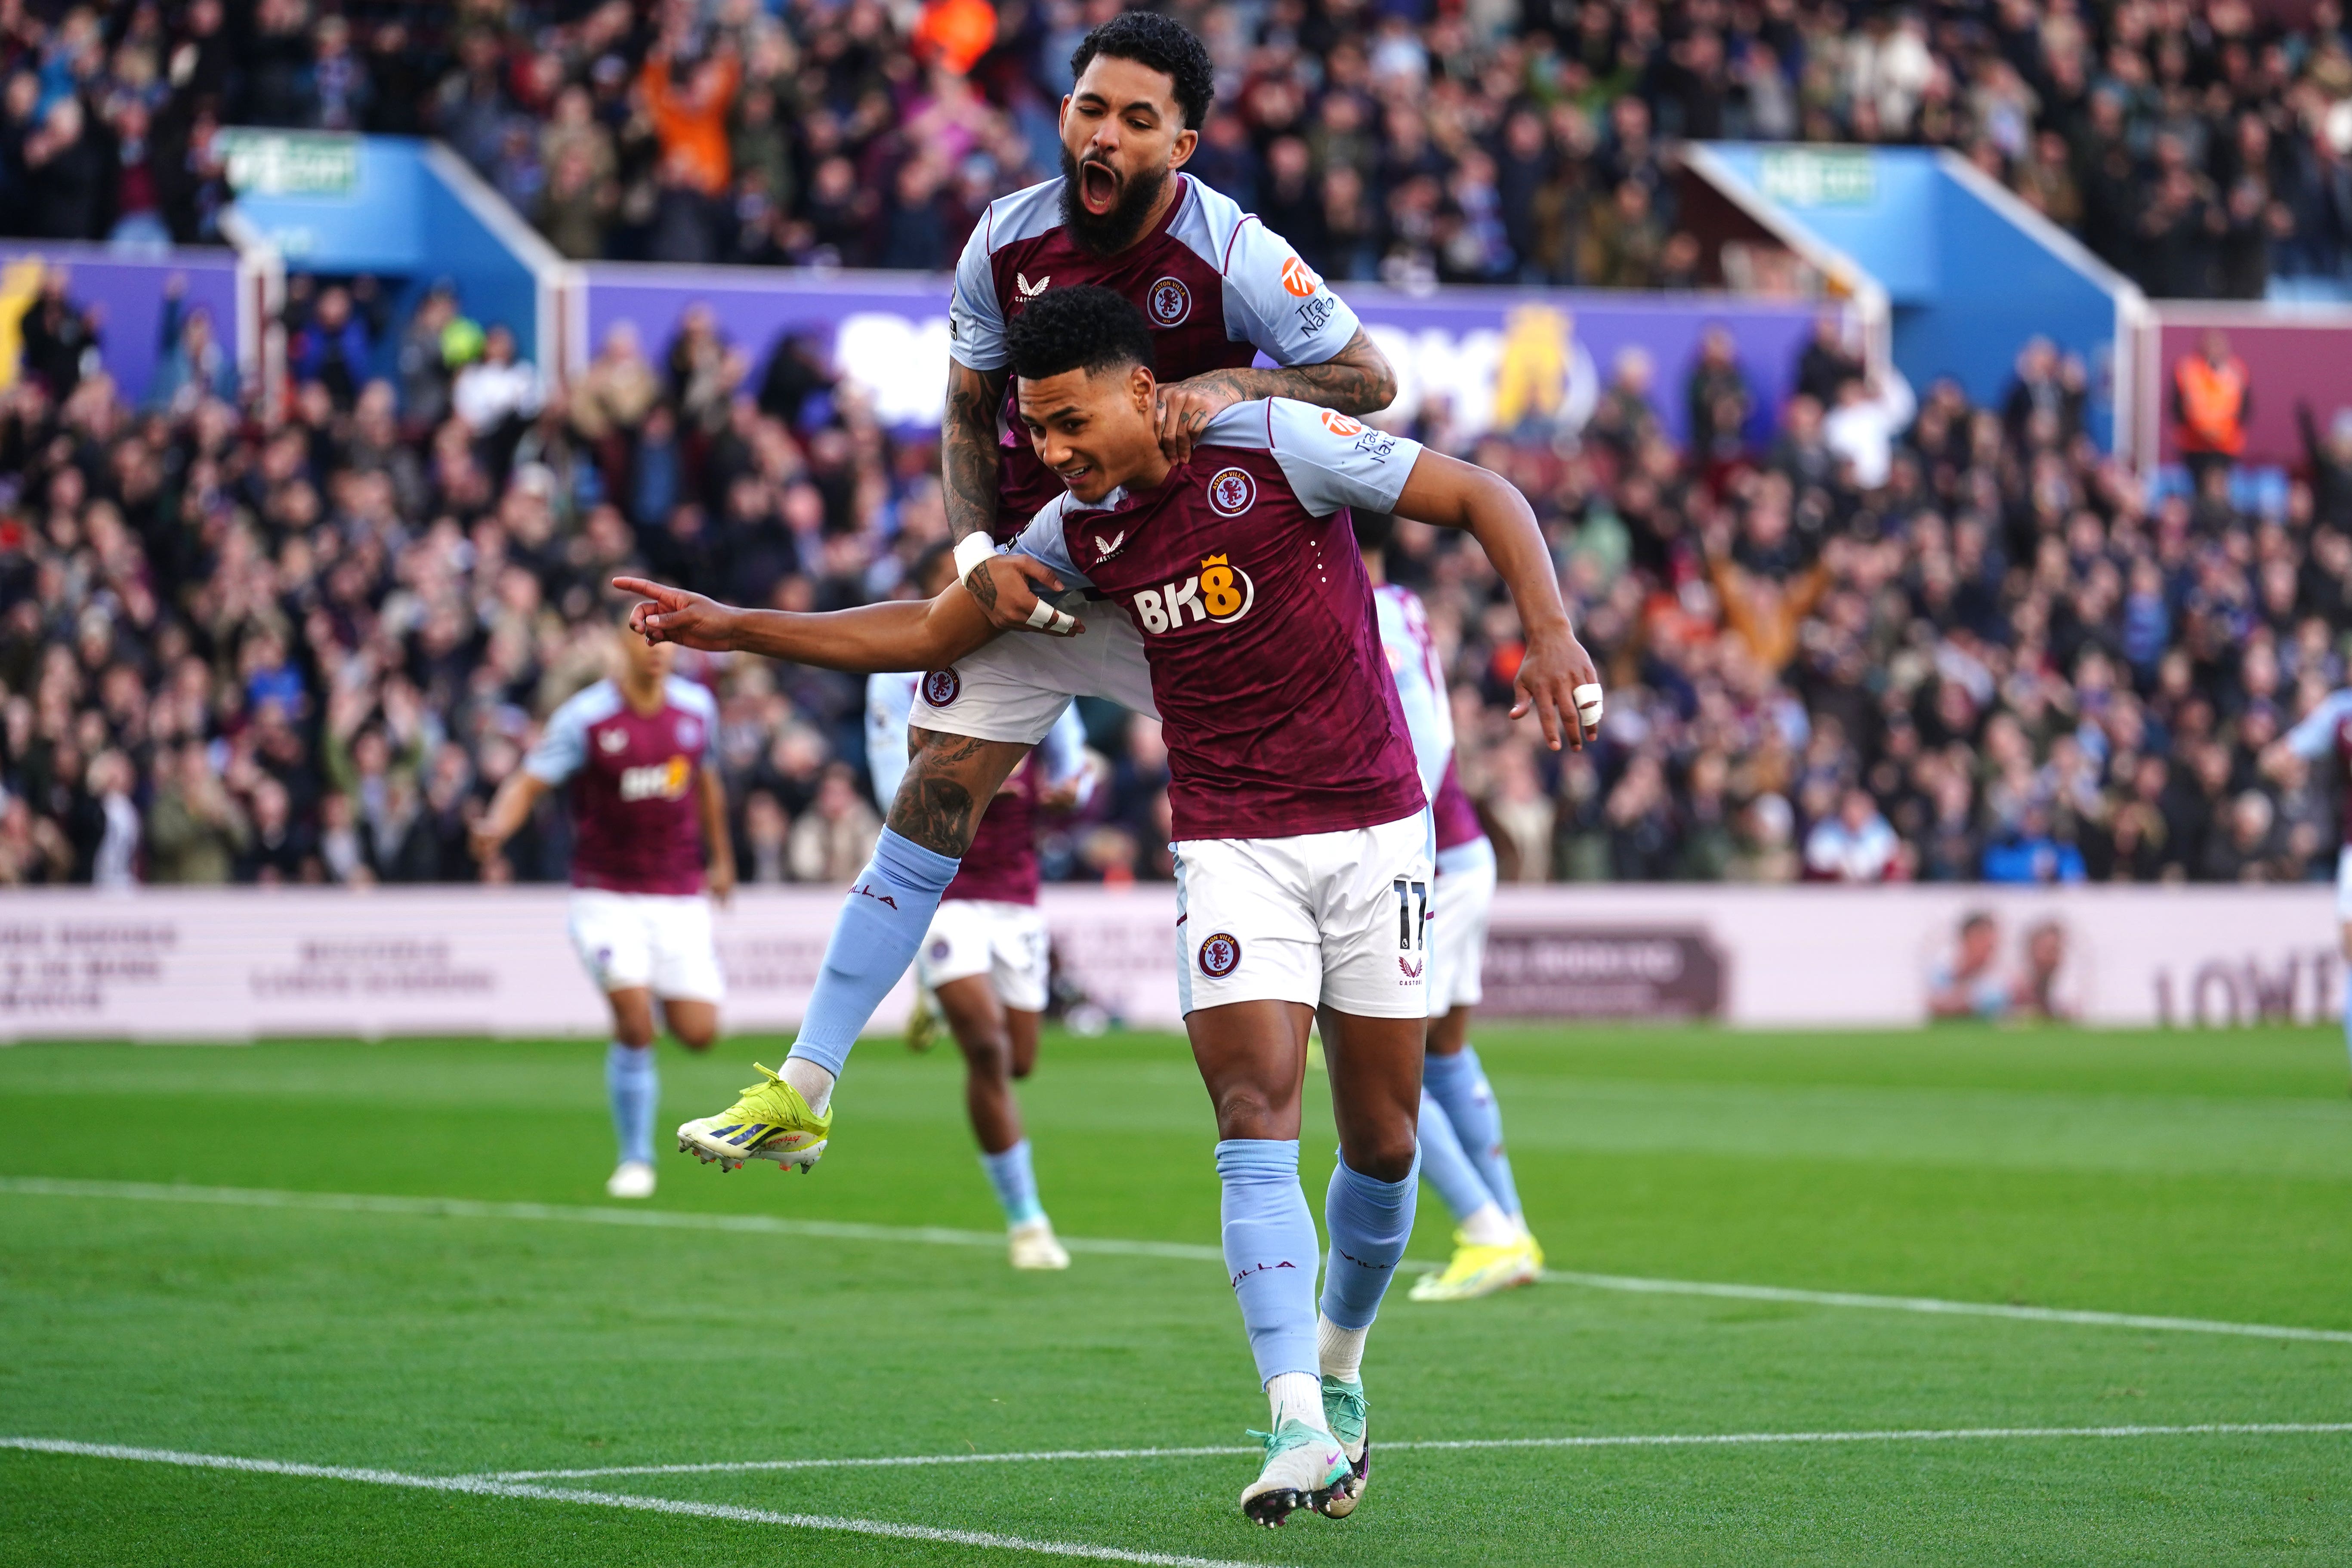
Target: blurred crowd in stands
x,y
2203,146
1905,637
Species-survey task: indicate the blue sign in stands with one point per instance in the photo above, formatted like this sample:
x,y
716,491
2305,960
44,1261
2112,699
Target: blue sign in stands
x,y
1968,271
400,209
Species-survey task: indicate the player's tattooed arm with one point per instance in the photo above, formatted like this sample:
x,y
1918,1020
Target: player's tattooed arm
x,y
1010,589
946,774
968,448
1449,493
1359,379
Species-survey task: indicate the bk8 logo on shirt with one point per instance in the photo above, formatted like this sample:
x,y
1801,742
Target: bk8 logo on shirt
x,y
1221,593
656,781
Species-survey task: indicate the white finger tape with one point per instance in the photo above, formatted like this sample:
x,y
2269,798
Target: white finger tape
x,y
1046,618
1588,703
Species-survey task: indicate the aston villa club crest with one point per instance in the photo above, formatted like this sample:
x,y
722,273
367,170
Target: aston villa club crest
x,y
614,740
1220,954
1232,491
941,686
1170,302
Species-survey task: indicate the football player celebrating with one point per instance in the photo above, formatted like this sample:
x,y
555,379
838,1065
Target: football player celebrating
x,y
1461,1129
1302,828
986,957
649,815
1216,290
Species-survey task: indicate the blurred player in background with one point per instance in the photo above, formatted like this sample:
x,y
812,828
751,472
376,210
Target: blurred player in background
x,y
1461,1127
2327,732
1302,827
986,959
649,815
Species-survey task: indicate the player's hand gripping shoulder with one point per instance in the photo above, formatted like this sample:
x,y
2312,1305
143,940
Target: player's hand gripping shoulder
x,y
673,614
1007,587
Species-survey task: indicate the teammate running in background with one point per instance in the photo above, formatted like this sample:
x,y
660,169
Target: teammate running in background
x,y
2327,731
1461,1128
649,815
1301,825
986,957
1217,291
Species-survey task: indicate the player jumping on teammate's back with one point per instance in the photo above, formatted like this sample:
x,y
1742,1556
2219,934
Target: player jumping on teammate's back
x,y
1461,1128
1302,830
648,810
1218,291
986,957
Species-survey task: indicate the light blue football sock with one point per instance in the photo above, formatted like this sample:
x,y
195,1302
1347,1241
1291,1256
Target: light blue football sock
x,y
635,1091
1459,1086
1445,1167
1370,1222
1015,1183
881,924
1269,1236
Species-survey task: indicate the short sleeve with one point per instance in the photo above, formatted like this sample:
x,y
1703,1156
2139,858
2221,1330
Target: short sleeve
x,y
1333,460
1043,541
975,321
1426,720
2315,736
1061,756
889,700
1276,301
563,745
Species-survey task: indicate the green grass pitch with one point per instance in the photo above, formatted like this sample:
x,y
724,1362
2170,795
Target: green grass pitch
x,y
2203,1177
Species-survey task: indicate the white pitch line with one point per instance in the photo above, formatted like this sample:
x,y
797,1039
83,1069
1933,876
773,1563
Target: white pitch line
x,y
934,1235
483,1486
1665,1440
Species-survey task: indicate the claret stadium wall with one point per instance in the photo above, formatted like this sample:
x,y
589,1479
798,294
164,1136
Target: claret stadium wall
x,y
167,964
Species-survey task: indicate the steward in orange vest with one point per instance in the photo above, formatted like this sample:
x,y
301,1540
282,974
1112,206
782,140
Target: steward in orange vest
x,y
2211,401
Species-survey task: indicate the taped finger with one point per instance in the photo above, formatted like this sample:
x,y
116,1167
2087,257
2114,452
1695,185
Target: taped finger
x,y
1588,705
1046,619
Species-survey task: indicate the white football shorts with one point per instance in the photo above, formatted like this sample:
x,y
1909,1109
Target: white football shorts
x,y
656,941
2344,884
1459,904
1007,942
1016,687
1336,918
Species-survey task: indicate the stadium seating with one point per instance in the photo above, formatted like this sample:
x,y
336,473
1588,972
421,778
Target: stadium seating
x,y
236,648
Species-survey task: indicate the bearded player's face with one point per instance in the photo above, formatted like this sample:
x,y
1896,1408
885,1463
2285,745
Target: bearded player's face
x,y
1123,138
1093,428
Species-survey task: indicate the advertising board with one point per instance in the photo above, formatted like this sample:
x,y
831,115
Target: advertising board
x,y
169,964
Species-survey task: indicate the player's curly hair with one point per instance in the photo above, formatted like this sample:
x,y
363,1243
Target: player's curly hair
x,y
1159,43
1085,327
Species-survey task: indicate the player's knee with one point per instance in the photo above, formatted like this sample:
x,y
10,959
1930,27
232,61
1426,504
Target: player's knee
x,y
987,1053
1388,1157
695,1036
1245,1111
